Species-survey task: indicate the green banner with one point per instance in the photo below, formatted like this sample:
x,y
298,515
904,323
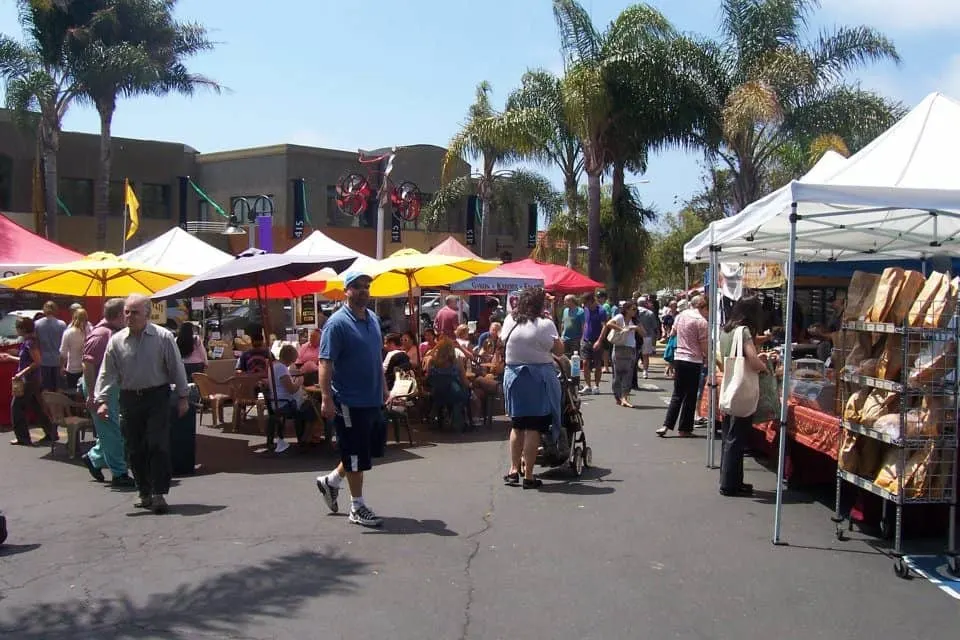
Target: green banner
x,y
208,199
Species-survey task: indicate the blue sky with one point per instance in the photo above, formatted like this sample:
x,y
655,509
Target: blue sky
x,y
349,74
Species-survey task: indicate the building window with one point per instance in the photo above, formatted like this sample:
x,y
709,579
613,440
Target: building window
x,y
154,200
6,181
77,195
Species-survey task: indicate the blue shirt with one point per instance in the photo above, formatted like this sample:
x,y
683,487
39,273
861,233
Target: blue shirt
x,y
593,323
354,348
49,335
572,321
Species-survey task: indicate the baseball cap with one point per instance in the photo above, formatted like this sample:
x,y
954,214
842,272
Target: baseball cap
x,y
352,276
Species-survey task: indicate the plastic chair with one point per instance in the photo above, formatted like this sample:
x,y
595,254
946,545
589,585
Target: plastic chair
x,y
213,395
62,412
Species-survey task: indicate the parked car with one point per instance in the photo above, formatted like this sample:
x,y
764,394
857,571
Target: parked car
x,y
8,325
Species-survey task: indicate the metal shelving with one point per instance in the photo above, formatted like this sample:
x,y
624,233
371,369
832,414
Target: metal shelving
x,y
925,446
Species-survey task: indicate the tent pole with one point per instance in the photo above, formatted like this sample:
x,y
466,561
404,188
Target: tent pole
x,y
686,276
787,358
711,291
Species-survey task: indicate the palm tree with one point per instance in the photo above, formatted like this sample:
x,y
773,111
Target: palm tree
x,y
39,90
543,91
128,48
621,89
495,138
767,87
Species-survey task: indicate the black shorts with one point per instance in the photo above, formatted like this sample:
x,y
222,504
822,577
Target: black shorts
x,y
589,356
533,423
361,436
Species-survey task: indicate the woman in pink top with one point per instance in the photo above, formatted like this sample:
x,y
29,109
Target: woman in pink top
x,y
691,330
307,363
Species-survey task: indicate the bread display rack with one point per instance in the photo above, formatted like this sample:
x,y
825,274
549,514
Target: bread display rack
x,y
900,407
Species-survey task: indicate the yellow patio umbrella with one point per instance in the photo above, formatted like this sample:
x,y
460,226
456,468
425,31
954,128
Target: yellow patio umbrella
x,y
98,274
404,270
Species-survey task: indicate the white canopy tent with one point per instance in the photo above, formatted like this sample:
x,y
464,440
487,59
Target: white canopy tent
x,y
179,252
319,244
898,197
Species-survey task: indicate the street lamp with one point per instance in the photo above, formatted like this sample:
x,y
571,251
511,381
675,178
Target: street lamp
x,y
248,210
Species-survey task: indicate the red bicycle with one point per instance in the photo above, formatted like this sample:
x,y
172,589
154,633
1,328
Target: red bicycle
x,y
354,190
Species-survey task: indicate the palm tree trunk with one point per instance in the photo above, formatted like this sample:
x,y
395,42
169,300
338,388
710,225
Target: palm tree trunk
x,y
484,225
617,186
593,222
101,191
50,147
570,192
746,183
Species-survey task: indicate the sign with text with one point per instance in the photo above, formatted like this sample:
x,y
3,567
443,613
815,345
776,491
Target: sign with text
x,y
158,312
396,224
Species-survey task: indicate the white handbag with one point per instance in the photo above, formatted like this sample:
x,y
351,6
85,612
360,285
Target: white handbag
x,y
740,389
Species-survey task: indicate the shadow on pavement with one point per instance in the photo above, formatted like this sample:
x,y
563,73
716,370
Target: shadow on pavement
x,y
221,606
16,549
412,526
183,510
218,454
590,483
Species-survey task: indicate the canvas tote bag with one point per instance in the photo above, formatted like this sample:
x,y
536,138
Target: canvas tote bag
x,y
740,389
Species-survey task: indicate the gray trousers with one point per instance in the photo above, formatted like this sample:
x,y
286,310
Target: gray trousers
x,y
624,370
145,422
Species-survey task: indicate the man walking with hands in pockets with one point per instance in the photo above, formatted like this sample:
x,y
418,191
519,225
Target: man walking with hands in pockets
x,y
143,361
353,393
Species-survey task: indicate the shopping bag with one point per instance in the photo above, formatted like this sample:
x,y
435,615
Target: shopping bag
x,y
768,403
740,389
670,351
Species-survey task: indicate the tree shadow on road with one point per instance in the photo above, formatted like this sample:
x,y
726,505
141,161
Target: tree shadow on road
x,y
221,606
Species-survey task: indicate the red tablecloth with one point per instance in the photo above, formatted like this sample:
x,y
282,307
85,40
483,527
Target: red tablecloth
x,y
7,369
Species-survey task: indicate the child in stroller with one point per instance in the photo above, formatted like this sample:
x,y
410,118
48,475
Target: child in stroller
x,y
571,449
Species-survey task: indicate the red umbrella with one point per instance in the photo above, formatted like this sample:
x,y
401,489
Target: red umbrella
x,y
556,278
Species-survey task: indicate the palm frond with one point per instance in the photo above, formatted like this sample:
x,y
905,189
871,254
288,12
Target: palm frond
x,y
447,200
636,26
849,47
823,143
15,58
522,186
579,39
748,106
855,115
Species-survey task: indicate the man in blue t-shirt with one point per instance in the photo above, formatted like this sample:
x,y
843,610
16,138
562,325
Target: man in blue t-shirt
x,y
353,394
594,318
571,322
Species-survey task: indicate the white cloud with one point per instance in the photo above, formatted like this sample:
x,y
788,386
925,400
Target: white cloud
x,y
897,15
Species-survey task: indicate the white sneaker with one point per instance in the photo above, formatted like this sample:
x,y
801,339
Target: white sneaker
x,y
329,493
281,446
365,517
585,391
646,375
596,391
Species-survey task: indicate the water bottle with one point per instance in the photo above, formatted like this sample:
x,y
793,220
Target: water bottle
x,y
575,365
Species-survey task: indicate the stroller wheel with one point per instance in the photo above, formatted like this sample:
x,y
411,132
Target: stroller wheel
x,y
587,458
576,465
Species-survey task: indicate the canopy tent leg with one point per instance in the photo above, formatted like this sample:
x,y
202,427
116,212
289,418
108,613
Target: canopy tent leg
x,y
787,358
712,292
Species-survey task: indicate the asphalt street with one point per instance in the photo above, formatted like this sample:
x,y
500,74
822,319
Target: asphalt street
x,y
642,546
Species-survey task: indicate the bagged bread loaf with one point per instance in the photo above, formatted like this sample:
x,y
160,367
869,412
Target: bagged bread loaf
x,y
868,367
878,402
933,363
941,309
919,472
918,312
934,414
891,282
913,282
860,294
888,424
848,458
890,362
887,475
871,453
854,405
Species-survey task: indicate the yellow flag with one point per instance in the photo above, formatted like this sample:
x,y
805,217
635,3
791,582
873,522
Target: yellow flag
x,y
133,208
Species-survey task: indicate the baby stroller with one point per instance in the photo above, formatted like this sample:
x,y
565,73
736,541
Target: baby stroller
x,y
574,451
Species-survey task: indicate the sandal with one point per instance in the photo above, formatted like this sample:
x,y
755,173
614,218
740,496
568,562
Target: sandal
x,y
535,483
512,479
